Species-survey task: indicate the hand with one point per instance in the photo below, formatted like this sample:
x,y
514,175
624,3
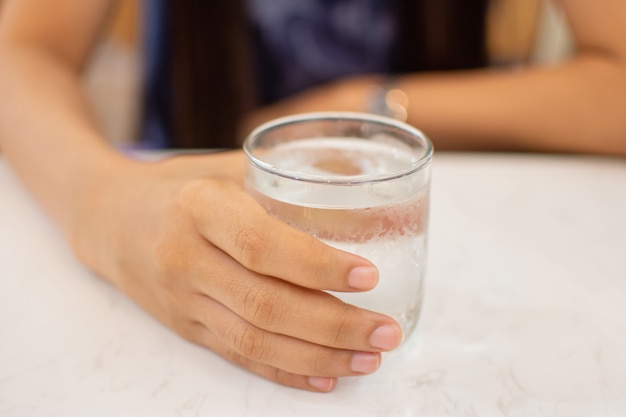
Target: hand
x,y
348,94
185,241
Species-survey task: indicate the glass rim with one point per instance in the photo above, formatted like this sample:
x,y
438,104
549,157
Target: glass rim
x,y
415,166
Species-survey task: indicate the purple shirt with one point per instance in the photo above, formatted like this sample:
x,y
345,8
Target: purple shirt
x,y
297,44
301,43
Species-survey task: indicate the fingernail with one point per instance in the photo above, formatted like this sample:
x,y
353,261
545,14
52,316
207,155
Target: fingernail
x,y
386,337
363,278
364,362
321,383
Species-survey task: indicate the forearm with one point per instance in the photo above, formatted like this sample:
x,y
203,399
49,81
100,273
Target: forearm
x,y
48,135
577,107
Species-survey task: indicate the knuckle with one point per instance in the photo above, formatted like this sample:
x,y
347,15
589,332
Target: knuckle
x,y
281,376
261,306
190,330
320,255
251,246
169,246
189,191
250,342
204,190
341,324
167,258
238,359
321,362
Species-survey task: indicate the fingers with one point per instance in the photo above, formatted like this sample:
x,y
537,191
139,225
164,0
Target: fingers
x,y
291,355
234,222
281,307
257,290
198,333
277,356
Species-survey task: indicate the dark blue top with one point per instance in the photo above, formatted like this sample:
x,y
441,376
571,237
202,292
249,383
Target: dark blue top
x,y
297,44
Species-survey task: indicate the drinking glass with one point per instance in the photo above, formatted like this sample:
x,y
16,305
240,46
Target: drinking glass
x,y
358,182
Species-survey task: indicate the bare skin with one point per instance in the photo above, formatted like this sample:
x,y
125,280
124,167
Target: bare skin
x,y
575,107
184,240
180,236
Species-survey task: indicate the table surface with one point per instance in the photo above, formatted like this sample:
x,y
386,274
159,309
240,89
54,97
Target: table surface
x,y
524,312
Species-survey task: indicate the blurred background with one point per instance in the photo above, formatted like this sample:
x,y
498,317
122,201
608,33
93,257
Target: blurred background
x,y
519,32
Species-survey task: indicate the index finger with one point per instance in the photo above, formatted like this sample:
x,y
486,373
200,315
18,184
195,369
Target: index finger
x,y
233,221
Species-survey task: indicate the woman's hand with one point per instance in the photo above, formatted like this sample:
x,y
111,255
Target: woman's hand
x,y
352,94
185,241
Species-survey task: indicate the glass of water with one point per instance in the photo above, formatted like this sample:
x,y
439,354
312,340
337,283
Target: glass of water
x,y
358,182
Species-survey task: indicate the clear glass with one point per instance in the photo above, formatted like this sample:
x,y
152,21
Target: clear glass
x,y
358,182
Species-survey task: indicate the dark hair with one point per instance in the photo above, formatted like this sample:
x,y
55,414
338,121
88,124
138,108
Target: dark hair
x,y
210,67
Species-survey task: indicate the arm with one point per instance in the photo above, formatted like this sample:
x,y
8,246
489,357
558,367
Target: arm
x,y
43,110
578,106
180,237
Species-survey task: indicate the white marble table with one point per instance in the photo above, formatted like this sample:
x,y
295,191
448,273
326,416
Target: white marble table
x,y
524,313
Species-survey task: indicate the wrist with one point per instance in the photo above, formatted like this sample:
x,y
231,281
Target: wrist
x,y
99,209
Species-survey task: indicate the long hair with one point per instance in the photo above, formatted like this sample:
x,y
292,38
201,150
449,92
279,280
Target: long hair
x,y
211,78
